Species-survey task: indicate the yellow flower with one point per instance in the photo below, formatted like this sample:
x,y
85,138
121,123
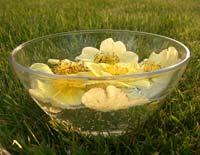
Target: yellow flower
x,y
110,52
102,69
60,92
111,98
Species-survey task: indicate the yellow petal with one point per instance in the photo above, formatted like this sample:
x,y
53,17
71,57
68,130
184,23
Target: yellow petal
x,y
107,45
58,96
41,67
132,67
46,87
69,96
88,54
97,69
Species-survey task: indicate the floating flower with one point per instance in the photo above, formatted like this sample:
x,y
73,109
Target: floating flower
x,y
111,98
59,92
164,59
103,69
110,52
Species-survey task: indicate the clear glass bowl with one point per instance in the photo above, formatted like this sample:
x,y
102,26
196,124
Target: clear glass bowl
x,y
117,118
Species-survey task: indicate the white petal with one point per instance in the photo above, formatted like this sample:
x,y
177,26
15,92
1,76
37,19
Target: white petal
x,y
173,56
105,100
88,54
107,45
119,47
128,57
165,58
154,58
41,67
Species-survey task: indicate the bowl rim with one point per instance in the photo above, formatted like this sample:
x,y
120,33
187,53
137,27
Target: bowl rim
x,y
134,75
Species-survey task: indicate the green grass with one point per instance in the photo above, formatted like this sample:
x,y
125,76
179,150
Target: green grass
x,y
174,130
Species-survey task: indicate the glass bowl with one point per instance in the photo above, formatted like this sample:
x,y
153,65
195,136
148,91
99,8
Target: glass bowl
x,y
101,104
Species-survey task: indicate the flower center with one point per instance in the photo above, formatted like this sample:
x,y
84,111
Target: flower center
x,y
65,68
148,67
106,58
116,70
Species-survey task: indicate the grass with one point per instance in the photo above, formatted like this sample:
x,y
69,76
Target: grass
x,y
174,130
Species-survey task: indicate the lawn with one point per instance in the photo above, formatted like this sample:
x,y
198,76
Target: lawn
x,y
25,128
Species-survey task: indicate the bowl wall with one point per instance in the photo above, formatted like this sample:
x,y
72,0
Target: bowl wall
x,y
69,45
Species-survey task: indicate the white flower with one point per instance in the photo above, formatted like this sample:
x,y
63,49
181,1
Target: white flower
x,y
160,83
111,98
163,59
110,52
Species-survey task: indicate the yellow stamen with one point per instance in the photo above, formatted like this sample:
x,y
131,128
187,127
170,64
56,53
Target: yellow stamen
x,y
116,70
148,67
106,58
65,68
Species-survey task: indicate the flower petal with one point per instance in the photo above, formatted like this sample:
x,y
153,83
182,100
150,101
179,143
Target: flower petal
x,y
165,58
69,96
119,47
109,46
173,56
128,57
88,54
105,100
53,61
47,93
112,99
41,67
97,69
